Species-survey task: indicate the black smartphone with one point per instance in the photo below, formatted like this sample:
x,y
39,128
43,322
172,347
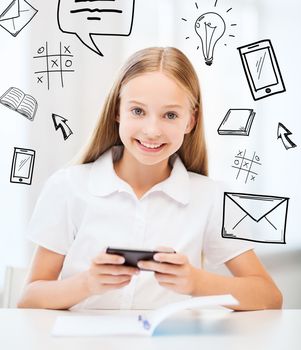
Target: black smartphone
x,y
132,256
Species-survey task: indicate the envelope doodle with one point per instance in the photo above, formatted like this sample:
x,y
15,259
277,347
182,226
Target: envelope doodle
x,y
254,217
15,15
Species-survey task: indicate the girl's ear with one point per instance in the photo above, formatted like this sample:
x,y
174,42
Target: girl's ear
x,y
117,118
191,123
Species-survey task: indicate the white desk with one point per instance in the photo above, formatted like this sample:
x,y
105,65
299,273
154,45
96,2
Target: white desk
x,y
22,329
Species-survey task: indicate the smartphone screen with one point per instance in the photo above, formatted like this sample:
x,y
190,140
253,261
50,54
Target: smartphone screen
x,y
23,165
261,68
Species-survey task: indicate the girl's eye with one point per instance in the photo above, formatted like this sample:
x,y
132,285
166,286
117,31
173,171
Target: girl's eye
x,y
171,115
137,111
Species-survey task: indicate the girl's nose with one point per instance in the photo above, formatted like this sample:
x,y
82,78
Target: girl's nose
x,y
152,127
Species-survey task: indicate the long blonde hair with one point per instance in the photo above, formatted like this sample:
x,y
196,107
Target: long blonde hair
x,y
177,66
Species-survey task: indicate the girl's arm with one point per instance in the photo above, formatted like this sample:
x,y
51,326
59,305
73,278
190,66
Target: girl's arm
x,y
250,284
44,290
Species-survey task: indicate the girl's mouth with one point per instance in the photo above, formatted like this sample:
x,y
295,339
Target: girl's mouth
x,y
150,147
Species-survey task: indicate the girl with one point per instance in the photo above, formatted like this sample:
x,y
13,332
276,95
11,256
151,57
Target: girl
x,y
142,183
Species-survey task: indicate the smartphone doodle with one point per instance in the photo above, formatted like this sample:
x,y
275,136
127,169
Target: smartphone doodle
x,y
261,69
22,166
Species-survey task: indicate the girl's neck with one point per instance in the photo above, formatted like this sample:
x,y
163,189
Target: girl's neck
x,y
139,176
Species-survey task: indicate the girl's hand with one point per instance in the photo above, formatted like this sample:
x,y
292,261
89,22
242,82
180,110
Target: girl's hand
x,y
173,271
107,273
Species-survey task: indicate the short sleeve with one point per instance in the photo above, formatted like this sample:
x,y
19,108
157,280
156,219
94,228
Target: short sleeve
x,y
217,249
50,225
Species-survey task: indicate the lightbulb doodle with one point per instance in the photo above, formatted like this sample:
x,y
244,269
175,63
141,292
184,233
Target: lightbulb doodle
x,y
210,27
53,64
245,165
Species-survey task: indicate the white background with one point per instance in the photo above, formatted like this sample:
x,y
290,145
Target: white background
x,y
224,86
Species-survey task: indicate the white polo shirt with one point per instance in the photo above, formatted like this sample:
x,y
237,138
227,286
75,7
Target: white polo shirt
x,y
85,208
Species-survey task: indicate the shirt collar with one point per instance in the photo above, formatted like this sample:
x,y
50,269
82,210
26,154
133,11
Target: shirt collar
x,y
104,181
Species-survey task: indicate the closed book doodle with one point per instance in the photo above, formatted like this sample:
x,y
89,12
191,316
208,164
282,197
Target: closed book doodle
x,y
237,122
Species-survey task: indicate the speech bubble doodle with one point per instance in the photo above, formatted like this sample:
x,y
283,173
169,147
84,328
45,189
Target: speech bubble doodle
x,y
86,18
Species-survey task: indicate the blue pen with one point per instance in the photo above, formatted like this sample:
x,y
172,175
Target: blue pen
x,y
145,322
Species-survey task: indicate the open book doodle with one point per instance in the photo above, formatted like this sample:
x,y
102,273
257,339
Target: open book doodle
x,y
137,324
22,103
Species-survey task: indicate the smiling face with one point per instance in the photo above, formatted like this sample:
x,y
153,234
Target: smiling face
x,y
155,113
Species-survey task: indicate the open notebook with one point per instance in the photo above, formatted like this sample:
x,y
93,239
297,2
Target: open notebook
x,y
138,324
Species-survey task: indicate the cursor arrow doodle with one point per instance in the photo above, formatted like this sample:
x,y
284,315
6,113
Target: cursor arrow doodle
x,y
60,122
284,133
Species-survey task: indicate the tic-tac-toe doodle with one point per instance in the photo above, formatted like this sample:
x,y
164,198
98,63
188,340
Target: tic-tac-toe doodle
x,y
53,65
245,165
